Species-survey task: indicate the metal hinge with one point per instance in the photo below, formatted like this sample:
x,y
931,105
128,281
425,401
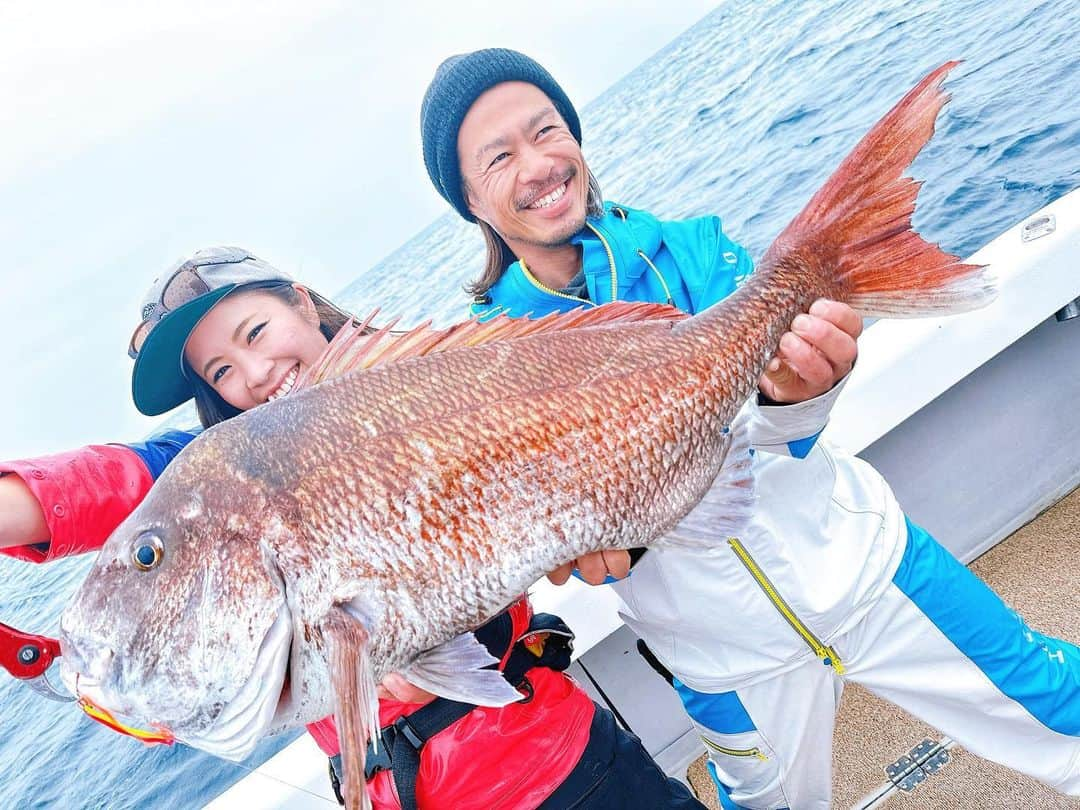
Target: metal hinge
x,y
921,762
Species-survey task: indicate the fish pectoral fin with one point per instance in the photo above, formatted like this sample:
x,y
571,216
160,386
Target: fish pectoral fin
x,y
727,507
455,670
355,696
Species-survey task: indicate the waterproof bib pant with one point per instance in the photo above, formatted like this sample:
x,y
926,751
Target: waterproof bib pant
x,y
617,772
938,643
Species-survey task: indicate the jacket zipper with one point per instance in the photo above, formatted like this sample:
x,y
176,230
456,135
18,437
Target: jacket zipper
x,y
611,266
610,259
827,654
734,752
648,261
540,285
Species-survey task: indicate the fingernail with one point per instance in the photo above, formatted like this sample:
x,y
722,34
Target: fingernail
x,y
801,323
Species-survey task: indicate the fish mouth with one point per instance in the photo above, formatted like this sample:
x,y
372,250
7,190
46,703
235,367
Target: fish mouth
x,y
246,718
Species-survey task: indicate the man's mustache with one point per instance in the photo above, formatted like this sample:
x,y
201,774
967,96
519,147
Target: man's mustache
x,y
538,189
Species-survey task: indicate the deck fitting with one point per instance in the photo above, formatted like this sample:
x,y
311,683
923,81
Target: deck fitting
x,y
920,763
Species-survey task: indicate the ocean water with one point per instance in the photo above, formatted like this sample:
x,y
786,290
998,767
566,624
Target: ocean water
x,y
742,116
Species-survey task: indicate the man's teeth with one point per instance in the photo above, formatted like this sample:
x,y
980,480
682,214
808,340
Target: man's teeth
x,y
286,385
553,197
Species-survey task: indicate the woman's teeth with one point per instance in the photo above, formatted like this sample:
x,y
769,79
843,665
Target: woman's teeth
x,y
548,199
286,385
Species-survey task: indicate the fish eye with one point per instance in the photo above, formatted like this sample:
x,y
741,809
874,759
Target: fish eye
x,y
148,552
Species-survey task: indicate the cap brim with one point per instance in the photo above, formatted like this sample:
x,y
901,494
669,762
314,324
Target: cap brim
x,y
158,383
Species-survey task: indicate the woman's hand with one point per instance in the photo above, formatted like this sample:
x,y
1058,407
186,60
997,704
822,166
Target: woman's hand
x,y
395,687
21,520
815,355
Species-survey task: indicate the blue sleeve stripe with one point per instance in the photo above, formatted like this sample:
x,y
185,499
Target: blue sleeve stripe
x,y
722,712
1040,673
157,451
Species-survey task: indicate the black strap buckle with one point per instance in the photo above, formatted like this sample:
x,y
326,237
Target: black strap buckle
x,y
402,727
381,761
387,738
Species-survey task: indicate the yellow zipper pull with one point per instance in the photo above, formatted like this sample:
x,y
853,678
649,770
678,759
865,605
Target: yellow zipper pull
x,y
829,658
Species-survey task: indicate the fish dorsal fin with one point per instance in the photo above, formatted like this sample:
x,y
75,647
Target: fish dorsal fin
x,y
361,345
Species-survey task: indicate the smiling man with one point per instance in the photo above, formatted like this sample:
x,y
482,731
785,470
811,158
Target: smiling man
x,y
831,581
535,202
502,144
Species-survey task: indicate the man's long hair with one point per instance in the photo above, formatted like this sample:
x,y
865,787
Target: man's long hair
x,y
499,255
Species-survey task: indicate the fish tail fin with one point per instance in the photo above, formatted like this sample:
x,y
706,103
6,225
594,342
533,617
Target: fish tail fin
x,y
727,506
859,223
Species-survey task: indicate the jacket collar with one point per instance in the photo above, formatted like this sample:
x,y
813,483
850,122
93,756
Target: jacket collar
x,y
616,239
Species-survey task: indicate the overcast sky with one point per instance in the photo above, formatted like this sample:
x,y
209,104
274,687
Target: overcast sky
x,y
132,133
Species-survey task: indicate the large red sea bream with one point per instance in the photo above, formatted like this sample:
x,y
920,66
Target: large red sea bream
x,y
292,556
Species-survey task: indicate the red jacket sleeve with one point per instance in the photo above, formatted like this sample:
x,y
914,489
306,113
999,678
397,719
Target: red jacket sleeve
x,y
84,494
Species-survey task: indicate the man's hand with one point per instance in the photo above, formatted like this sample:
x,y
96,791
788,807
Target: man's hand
x,y
594,568
815,355
395,687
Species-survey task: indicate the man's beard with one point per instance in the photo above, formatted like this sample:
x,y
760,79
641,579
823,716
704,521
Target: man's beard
x,y
564,176
563,236
559,239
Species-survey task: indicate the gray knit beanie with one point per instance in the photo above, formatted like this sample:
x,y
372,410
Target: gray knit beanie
x,y
458,82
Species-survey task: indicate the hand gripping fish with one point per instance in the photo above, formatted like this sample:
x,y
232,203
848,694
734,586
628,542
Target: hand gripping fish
x,y
292,556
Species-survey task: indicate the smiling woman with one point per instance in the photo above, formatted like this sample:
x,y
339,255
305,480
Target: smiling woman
x,y
248,348
239,326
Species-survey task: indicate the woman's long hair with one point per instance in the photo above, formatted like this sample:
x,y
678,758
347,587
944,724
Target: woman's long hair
x,y
209,404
